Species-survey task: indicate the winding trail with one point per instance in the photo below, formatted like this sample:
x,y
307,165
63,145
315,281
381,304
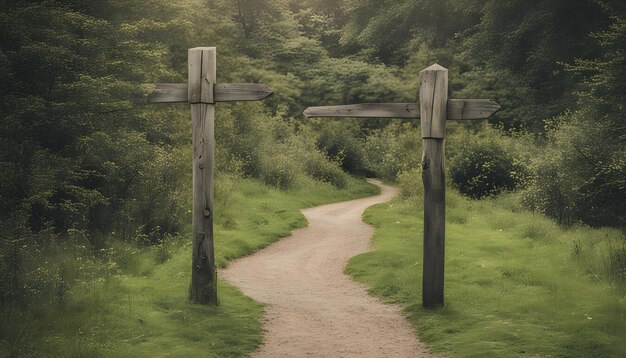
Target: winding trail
x,y
313,308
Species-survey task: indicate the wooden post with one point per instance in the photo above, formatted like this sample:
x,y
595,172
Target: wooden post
x,y
433,104
202,76
434,109
202,91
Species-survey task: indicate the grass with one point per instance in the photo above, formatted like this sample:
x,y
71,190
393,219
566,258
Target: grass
x,y
516,283
136,305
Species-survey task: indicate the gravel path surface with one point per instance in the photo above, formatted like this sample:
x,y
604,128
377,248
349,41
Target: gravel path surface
x,y
312,308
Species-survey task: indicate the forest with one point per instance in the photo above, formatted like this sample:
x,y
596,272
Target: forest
x,y
95,189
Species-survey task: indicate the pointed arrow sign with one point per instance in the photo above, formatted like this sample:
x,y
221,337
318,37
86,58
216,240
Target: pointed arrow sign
x,y
223,92
457,109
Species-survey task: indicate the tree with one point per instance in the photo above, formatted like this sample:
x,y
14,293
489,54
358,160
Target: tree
x,y
582,177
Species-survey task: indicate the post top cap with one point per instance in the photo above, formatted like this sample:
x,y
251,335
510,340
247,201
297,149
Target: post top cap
x,y
435,67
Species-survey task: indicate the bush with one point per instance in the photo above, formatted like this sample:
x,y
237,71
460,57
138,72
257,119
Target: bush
x,y
321,168
582,174
410,183
576,179
486,166
340,141
393,149
259,145
280,170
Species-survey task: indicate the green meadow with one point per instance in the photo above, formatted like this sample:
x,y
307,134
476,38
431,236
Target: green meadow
x,y
137,305
516,284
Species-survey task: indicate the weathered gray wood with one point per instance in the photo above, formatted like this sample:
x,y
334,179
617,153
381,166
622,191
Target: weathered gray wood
x,y
433,101
166,93
194,71
433,176
203,288
223,92
433,110
366,110
230,92
465,109
201,91
209,74
457,109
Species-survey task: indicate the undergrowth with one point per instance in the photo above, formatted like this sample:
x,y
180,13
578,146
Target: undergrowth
x,y
130,300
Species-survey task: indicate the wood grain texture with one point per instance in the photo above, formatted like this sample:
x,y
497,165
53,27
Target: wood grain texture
x,y
194,75
366,110
433,101
457,109
467,109
433,110
223,92
203,287
433,176
209,74
201,74
230,92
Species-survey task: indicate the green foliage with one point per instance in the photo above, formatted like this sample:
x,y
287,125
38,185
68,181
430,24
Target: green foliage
x,y
513,285
576,179
389,30
582,174
410,183
344,81
342,142
67,299
486,165
393,149
93,186
522,44
259,145
74,148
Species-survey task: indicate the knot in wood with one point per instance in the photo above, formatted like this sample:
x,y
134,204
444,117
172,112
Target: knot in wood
x,y
425,164
207,213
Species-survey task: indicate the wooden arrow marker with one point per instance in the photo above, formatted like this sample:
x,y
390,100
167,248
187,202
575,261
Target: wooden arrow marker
x,y
434,109
202,91
223,92
457,109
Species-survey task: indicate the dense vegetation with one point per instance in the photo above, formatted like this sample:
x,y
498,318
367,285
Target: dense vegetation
x,y
87,176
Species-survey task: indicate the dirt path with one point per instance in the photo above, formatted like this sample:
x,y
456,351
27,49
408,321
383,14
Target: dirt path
x,y
312,307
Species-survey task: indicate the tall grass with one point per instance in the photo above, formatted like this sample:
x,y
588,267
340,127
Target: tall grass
x,y
516,283
130,300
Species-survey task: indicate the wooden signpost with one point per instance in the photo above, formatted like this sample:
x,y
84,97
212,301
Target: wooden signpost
x,y
202,91
434,108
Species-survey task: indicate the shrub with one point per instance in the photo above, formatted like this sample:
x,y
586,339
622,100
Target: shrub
x,y
266,147
585,160
340,141
321,168
576,179
280,170
486,166
393,149
410,183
